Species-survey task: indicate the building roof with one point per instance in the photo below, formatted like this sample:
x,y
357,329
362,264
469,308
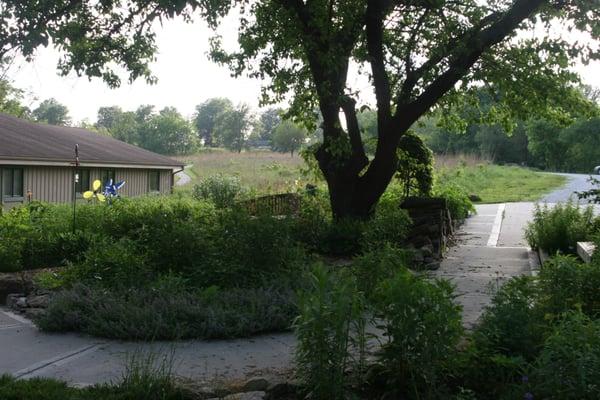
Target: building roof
x,y
33,143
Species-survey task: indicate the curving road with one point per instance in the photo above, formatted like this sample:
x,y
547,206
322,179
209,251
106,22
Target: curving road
x,y
575,183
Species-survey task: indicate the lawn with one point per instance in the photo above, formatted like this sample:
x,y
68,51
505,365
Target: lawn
x,y
497,184
262,170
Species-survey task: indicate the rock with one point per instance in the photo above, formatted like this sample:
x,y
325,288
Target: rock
x,y
33,313
432,266
258,395
38,301
11,299
427,250
255,385
21,302
418,256
12,283
281,389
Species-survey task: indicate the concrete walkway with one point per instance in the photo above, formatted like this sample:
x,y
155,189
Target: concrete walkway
x,y
490,248
182,177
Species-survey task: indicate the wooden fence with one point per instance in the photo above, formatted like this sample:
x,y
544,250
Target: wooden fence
x,y
277,204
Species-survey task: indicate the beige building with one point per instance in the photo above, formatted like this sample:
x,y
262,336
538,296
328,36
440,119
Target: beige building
x,y
37,162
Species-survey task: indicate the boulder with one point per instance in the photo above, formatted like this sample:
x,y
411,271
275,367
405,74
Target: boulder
x,y
257,384
12,283
11,299
280,390
258,395
38,301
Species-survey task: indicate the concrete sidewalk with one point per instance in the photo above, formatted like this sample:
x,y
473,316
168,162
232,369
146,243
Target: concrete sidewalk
x,y
490,248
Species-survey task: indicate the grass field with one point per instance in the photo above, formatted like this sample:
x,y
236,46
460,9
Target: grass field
x,y
263,171
496,184
270,172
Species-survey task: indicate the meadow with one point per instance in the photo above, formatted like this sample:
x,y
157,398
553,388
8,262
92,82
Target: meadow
x,y
267,172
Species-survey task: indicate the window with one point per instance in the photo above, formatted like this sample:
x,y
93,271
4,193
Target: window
x,y
107,175
12,182
154,181
82,184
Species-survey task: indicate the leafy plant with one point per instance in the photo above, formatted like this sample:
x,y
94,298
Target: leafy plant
x,y
560,227
457,198
423,326
331,319
222,190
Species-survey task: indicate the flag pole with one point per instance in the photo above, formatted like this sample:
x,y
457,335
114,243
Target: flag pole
x,y
75,180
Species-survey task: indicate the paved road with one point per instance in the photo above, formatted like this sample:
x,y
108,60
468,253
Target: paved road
x,y
575,183
183,178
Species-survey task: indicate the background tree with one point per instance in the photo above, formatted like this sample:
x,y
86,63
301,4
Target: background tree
x,y
108,116
420,55
268,122
232,127
206,117
52,112
126,127
11,100
288,137
167,132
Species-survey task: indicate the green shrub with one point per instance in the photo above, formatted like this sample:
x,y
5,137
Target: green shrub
x,y
15,227
567,284
111,264
330,320
559,228
311,225
510,333
390,225
375,266
569,364
423,327
459,204
344,237
169,311
222,190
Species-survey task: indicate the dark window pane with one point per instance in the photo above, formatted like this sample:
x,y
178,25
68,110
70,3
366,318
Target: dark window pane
x,y
17,182
7,182
84,181
154,181
107,175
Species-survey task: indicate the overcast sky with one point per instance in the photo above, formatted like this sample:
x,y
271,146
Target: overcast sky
x,y
185,76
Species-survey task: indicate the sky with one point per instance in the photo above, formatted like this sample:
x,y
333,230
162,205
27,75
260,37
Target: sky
x,y
186,77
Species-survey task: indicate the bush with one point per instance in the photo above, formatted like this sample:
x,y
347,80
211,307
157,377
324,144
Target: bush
x,y
330,320
168,311
390,225
567,284
222,190
423,327
559,228
375,266
15,227
569,365
459,204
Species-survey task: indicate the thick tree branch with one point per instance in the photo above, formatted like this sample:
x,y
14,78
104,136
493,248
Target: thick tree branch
x,y
445,50
358,150
465,57
376,11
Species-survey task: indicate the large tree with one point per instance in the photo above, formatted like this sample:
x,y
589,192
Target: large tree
x,y
167,132
52,112
206,117
417,53
232,127
289,137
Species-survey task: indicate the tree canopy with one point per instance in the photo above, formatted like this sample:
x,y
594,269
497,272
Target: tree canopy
x,y
52,112
206,117
418,55
289,137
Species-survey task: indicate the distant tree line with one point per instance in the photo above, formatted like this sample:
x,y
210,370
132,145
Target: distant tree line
x,y
217,122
